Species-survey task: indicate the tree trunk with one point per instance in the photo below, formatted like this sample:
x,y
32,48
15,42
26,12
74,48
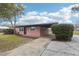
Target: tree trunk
x,y
14,24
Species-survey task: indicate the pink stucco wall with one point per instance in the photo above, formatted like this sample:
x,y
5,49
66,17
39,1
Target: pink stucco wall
x,y
43,31
37,32
29,32
33,33
17,30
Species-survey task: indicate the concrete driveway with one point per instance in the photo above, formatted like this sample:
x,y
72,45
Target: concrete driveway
x,y
57,48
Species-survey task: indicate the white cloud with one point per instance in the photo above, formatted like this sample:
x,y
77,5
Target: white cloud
x,y
65,21
43,13
35,19
62,16
32,13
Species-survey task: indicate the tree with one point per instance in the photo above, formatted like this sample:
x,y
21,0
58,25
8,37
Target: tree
x,y
75,10
18,11
10,12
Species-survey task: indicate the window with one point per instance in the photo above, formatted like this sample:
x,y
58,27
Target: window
x,y
32,28
21,28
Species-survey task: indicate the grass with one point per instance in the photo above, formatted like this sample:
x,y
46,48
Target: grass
x,y
8,42
76,32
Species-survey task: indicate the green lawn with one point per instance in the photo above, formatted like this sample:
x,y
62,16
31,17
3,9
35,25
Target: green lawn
x,y
8,42
76,32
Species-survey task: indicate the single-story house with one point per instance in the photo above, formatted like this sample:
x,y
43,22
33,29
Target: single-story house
x,y
33,30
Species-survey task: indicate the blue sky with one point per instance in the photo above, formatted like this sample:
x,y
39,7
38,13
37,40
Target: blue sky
x,y
50,7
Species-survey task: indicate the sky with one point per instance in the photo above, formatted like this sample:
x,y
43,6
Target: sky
x,y
49,7
48,12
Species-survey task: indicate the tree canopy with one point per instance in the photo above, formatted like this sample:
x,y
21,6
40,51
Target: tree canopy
x,y
9,12
75,10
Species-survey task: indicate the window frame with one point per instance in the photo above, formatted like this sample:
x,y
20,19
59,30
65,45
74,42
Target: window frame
x,y
21,28
32,28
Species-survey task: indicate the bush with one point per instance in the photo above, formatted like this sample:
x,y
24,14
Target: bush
x,y
8,31
63,32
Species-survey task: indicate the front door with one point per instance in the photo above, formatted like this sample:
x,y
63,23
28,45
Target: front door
x,y
25,30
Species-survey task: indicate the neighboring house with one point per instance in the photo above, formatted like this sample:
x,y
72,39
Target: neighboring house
x,y
33,30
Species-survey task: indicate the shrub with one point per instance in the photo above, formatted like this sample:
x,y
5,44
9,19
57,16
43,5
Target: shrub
x,y
63,32
8,31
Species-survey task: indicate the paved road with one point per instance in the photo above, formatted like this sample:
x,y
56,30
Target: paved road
x,y
57,48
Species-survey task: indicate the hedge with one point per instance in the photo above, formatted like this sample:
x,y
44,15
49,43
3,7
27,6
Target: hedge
x,y
63,32
8,31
